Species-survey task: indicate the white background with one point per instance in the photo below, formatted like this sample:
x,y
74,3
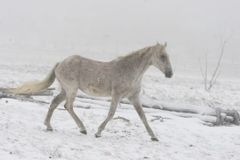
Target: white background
x,y
106,29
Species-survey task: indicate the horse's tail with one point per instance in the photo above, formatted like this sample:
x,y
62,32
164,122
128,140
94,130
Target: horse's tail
x,y
35,86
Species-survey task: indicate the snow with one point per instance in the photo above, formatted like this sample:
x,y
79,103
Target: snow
x,y
23,135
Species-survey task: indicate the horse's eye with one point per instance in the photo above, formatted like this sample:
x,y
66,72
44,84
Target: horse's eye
x,y
163,58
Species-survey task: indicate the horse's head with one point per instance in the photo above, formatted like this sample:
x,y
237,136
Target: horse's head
x,y
160,59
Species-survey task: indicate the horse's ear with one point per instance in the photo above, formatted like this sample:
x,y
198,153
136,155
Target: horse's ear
x,y
165,45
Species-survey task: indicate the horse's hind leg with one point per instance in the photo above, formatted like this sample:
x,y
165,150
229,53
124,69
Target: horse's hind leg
x,y
55,102
69,107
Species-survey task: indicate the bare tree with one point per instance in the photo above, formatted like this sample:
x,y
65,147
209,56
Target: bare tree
x,y
209,83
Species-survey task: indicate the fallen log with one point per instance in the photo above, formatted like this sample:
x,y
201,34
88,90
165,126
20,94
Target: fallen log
x,y
213,116
21,98
47,92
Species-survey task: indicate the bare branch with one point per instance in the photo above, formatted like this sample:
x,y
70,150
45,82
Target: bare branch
x,y
208,84
122,118
206,72
201,68
214,75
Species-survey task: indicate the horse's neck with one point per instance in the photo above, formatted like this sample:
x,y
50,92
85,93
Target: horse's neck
x,y
139,62
144,63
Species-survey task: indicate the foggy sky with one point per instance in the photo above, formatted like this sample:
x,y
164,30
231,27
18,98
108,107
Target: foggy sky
x,y
109,28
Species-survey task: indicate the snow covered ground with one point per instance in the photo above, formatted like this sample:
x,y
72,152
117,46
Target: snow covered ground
x,y
23,135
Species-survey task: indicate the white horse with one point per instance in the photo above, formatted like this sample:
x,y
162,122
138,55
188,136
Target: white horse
x,y
119,78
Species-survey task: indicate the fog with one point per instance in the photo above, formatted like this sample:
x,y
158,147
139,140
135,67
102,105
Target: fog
x,y
106,29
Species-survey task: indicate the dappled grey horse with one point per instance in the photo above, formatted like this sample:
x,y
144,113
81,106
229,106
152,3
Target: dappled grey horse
x,y
119,78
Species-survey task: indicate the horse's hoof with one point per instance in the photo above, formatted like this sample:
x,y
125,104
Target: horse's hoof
x,y
49,129
97,135
84,132
154,139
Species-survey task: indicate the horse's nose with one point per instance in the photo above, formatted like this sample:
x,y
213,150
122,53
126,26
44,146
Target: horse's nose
x,y
169,74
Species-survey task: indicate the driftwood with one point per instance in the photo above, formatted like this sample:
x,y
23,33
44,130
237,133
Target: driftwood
x,y
217,118
159,118
227,116
21,98
122,118
209,120
26,97
48,92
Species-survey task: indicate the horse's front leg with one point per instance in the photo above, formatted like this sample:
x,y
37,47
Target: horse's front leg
x,y
138,107
113,107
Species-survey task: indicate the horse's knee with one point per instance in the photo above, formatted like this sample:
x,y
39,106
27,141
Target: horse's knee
x,y
68,107
52,107
56,101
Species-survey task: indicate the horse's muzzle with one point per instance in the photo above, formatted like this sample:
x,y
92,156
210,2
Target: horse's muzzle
x,y
169,74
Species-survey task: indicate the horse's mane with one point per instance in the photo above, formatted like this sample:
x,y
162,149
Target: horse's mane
x,y
140,52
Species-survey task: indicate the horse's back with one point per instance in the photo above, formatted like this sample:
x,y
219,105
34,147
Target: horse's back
x,y
90,76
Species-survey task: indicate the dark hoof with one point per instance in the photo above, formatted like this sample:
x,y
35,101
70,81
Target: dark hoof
x,y
154,139
49,129
97,136
84,132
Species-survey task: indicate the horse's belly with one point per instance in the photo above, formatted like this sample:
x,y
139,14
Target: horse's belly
x,y
95,90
